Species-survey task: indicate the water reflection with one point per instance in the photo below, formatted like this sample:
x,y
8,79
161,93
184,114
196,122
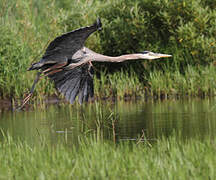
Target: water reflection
x,y
124,120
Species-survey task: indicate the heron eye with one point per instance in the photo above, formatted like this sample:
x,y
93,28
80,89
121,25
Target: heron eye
x,y
145,52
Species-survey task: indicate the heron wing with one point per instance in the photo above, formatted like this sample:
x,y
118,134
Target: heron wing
x,y
64,46
75,82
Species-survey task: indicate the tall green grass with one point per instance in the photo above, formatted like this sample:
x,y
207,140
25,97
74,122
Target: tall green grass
x,y
194,82
95,159
185,29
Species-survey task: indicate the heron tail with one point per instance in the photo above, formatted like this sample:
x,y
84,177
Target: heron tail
x,y
76,82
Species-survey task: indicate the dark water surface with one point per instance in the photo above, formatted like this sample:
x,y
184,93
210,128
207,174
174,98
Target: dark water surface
x,y
122,120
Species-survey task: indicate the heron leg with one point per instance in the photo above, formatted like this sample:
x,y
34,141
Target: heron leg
x,y
89,68
90,63
52,72
26,99
54,67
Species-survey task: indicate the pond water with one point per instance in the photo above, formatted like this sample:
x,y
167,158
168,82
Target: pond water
x,y
119,121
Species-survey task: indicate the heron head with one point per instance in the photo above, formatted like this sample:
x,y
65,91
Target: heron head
x,y
152,55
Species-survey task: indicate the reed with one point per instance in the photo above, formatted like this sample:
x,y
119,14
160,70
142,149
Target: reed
x,y
94,159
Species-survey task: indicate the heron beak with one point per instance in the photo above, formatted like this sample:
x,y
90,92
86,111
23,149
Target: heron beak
x,y
152,55
158,55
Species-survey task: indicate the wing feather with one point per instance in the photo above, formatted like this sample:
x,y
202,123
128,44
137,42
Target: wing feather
x,y
64,46
74,82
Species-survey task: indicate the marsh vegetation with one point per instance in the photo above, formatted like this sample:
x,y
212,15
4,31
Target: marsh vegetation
x,y
185,29
167,159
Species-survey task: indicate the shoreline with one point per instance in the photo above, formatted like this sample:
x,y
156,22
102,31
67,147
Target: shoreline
x,y
11,105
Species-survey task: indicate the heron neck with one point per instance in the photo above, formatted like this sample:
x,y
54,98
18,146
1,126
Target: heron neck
x,y
103,58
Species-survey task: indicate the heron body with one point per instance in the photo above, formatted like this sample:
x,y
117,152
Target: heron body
x,y
67,62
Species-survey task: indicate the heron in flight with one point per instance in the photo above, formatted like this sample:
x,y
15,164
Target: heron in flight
x,y
67,62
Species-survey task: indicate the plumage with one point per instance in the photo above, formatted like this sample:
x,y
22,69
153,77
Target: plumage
x,y
62,48
77,81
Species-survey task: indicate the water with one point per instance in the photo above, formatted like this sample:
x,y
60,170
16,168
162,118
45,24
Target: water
x,y
122,121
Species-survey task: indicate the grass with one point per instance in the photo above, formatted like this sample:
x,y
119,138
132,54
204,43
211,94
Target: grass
x,y
98,159
196,81
119,85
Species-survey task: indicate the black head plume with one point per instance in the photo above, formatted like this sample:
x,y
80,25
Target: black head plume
x,y
145,52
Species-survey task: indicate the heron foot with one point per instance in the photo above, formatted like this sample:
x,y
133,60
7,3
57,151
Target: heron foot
x,y
25,100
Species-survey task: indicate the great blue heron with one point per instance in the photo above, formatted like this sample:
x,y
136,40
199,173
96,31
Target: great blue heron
x,y
68,63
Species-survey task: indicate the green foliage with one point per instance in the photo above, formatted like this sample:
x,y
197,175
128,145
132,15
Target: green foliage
x,y
194,82
119,84
185,29
11,51
21,43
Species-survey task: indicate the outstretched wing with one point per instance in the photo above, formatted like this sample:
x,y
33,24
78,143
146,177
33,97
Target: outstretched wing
x,y
64,46
75,82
